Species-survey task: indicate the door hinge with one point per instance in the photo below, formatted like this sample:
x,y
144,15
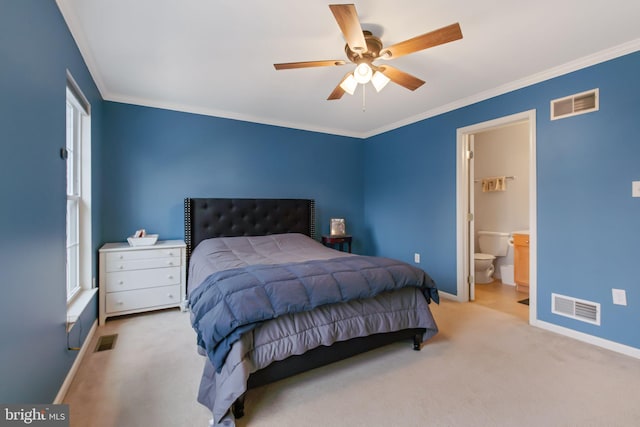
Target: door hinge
x,y
469,154
470,280
469,216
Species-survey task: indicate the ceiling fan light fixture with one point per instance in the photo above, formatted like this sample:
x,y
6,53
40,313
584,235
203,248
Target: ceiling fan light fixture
x,y
379,81
349,84
363,73
362,48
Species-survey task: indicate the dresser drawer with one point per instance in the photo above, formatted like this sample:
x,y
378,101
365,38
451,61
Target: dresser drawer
x,y
139,279
130,255
142,264
142,298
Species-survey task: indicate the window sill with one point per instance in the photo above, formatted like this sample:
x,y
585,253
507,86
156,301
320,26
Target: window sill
x,y
78,304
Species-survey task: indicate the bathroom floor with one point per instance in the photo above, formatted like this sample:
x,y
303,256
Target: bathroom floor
x,y
503,298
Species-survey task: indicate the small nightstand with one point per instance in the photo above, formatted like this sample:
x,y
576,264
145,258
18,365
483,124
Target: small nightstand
x,y
329,240
141,278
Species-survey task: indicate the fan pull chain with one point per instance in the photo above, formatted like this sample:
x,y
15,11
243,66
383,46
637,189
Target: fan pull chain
x,y
364,108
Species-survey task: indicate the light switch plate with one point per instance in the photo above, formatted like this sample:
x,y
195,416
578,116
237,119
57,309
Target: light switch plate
x,y
635,189
619,296
416,258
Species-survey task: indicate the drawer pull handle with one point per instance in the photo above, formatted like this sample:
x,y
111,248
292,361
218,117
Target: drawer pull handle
x,y
170,277
170,263
121,282
170,253
121,256
119,302
121,267
170,295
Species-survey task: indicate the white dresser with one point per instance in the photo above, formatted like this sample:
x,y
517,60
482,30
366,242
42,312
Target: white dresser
x,y
141,278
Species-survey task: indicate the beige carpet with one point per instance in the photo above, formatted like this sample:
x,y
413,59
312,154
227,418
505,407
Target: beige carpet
x,y
485,368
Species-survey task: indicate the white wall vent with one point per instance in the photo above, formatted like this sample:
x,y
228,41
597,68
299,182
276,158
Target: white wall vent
x,y
573,105
574,308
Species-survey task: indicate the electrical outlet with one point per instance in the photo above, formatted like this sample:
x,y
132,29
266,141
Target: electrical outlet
x,y
416,258
635,189
619,296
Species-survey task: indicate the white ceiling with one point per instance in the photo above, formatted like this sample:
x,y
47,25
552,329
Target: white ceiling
x,y
216,57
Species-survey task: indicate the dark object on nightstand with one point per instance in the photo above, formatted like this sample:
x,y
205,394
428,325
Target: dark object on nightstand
x,y
329,240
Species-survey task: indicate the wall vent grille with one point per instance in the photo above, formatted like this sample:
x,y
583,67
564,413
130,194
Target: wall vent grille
x,y
574,308
573,105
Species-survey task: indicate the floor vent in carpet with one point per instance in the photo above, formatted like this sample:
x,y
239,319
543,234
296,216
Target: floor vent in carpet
x,y
106,342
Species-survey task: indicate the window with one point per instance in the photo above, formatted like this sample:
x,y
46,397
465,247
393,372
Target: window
x,y
73,196
78,158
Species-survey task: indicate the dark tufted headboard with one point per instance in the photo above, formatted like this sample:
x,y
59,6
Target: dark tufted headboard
x,y
205,218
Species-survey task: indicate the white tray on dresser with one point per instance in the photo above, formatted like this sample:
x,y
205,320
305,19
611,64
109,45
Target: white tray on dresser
x,y
134,279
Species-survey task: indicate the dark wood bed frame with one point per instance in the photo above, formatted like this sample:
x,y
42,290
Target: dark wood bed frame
x,y
210,217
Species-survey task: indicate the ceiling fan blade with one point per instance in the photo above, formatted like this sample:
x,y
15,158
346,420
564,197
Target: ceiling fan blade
x,y
338,91
349,24
307,64
401,78
434,38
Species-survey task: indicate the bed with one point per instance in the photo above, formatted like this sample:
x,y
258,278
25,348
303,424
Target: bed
x,y
336,304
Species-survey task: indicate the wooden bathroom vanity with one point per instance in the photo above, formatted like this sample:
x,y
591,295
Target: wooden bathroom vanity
x,y
521,261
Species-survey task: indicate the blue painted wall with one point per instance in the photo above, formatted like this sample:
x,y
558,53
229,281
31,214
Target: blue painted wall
x,y
588,224
36,49
396,190
153,159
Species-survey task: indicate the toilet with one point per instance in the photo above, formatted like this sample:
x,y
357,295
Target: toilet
x,y
491,244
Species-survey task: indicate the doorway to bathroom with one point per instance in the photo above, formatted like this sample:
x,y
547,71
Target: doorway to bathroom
x,y
496,192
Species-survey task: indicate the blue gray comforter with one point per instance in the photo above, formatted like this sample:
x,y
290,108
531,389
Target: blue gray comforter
x,y
231,302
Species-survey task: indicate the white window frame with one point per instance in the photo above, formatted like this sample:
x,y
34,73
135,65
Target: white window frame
x,y
78,194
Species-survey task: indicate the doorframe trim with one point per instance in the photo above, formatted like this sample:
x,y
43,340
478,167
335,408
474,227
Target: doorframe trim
x,y
462,189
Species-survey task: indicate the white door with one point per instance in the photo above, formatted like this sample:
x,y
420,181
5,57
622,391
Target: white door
x,y
469,147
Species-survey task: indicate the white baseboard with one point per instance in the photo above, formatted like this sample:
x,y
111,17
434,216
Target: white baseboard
x,y
76,364
590,339
447,295
580,336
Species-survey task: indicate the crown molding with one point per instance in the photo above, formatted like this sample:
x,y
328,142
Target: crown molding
x,y
229,115
75,28
569,67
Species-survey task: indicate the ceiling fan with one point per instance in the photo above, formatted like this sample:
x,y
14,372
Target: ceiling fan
x,y
363,48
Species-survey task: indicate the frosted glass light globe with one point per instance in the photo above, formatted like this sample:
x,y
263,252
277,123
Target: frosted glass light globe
x,y
363,73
